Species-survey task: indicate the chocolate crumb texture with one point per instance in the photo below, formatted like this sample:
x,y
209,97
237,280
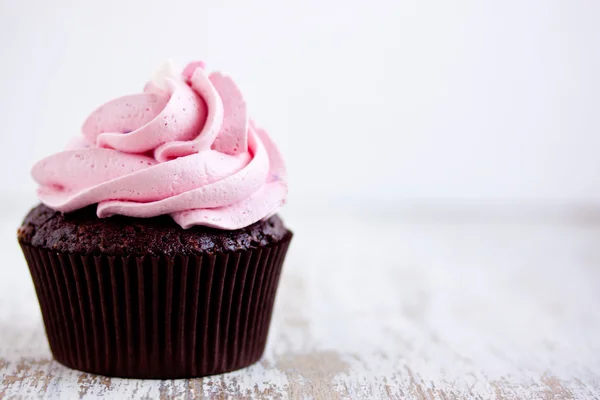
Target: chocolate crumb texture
x,y
82,232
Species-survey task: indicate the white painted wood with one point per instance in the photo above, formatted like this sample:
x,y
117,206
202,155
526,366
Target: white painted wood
x,y
375,308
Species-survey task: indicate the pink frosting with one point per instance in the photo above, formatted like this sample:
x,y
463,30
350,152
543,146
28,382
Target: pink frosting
x,y
184,147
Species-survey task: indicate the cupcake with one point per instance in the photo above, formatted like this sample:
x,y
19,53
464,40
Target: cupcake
x,y
157,251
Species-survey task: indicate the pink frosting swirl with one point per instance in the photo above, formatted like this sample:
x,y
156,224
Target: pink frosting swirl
x,y
184,147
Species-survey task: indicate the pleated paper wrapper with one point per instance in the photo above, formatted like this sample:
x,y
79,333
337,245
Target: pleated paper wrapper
x,y
157,317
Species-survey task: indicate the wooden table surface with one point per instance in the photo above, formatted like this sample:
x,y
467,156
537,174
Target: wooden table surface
x,y
375,308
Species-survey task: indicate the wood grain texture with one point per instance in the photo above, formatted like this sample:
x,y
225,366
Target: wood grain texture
x,y
372,308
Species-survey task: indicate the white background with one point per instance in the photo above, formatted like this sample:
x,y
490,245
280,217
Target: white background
x,y
381,102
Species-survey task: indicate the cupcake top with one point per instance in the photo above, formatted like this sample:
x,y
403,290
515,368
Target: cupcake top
x,y
185,147
81,232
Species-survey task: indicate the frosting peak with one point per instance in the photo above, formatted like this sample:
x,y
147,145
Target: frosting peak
x,y
184,147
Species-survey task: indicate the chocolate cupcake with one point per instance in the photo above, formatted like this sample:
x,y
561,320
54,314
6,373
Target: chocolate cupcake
x,y
156,252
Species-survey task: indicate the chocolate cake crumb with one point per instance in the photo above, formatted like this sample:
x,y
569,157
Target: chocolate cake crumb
x,y
82,232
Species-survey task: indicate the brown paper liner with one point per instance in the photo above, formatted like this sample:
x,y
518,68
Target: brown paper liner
x,y
157,317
